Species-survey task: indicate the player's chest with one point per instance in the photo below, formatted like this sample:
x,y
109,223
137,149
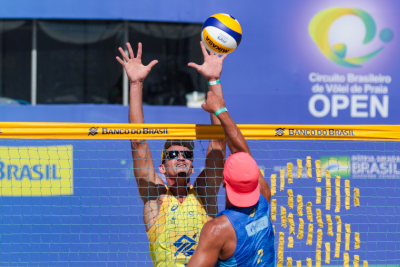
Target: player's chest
x,y
183,216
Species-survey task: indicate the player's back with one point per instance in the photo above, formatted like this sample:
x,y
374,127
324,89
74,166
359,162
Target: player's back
x,y
254,235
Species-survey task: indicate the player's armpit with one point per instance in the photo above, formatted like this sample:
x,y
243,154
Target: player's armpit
x,y
210,244
147,179
209,181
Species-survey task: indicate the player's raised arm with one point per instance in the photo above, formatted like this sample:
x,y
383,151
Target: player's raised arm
x,y
143,165
209,181
233,135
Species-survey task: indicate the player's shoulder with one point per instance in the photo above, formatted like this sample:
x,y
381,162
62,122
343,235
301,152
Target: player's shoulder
x,y
218,228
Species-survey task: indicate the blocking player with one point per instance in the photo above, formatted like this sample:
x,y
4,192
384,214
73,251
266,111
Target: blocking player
x,y
241,235
174,213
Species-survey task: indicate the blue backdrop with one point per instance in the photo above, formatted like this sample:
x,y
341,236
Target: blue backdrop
x,y
279,74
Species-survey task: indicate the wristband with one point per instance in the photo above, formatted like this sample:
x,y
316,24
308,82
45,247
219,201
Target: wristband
x,y
214,82
219,111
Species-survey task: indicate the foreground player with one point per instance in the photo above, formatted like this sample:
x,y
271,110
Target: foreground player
x,y
175,213
241,235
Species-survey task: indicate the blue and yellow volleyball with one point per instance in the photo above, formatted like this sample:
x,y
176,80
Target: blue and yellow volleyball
x,y
221,34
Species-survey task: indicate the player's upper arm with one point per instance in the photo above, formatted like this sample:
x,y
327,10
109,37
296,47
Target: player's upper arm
x,y
210,245
143,169
210,179
265,190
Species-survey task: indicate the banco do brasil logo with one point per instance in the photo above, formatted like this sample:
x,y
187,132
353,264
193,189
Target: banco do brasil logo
x,y
320,26
279,131
92,131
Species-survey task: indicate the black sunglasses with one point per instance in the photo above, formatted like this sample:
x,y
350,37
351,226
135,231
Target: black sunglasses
x,y
175,153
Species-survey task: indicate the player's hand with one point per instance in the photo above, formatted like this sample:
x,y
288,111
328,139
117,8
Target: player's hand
x,y
134,68
212,66
213,103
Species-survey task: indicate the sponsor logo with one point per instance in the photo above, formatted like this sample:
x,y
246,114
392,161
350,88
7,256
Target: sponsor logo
x,y
253,212
357,166
183,244
329,132
337,165
222,38
134,131
216,46
174,207
191,214
92,131
311,132
254,227
36,171
320,31
279,131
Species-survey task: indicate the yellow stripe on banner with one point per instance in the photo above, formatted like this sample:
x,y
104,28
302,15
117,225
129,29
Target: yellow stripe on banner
x,y
273,184
273,210
299,168
291,224
283,217
282,176
290,198
289,172
34,130
300,205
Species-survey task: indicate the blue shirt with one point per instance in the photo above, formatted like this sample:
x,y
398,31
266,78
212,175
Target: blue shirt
x,y
254,235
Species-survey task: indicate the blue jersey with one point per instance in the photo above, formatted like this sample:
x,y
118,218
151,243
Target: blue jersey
x,y
254,234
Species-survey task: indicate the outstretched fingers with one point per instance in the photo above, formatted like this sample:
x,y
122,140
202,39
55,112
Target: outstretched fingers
x,y
203,48
123,54
194,65
151,64
223,57
139,51
121,61
130,50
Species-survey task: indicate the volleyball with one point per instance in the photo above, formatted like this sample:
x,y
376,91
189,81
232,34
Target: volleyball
x,y
221,34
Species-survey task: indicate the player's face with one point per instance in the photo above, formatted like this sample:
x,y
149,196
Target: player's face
x,y
178,162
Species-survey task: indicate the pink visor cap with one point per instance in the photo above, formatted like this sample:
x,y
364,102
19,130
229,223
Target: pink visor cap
x,y
241,179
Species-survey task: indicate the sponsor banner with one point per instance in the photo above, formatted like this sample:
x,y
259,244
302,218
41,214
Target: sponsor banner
x,y
36,171
353,76
357,166
192,131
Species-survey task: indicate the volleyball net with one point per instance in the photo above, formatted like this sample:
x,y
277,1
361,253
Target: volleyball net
x,y
69,196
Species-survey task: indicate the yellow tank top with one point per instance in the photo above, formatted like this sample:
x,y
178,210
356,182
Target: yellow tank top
x,y
176,232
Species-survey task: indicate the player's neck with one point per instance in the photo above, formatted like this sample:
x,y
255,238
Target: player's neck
x,y
228,204
180,192
179,188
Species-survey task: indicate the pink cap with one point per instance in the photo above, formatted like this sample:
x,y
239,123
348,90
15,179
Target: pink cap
x,y
241,179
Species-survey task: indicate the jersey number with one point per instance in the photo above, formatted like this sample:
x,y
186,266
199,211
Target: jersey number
x,y
260,254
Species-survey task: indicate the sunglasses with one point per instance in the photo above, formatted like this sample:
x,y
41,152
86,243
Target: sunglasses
x,y
175,153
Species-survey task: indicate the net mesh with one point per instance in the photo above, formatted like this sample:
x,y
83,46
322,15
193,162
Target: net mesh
x,y
76,202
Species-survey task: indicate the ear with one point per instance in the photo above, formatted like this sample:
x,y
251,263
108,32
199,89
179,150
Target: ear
x,y
192,169
162,169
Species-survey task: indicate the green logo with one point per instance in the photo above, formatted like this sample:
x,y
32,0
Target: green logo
x,y
319,30
337,165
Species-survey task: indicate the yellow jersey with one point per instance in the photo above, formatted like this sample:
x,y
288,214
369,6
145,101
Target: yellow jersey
x,y
176,232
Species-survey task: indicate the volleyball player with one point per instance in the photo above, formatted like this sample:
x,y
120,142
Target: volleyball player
x,y
241,235
175,212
